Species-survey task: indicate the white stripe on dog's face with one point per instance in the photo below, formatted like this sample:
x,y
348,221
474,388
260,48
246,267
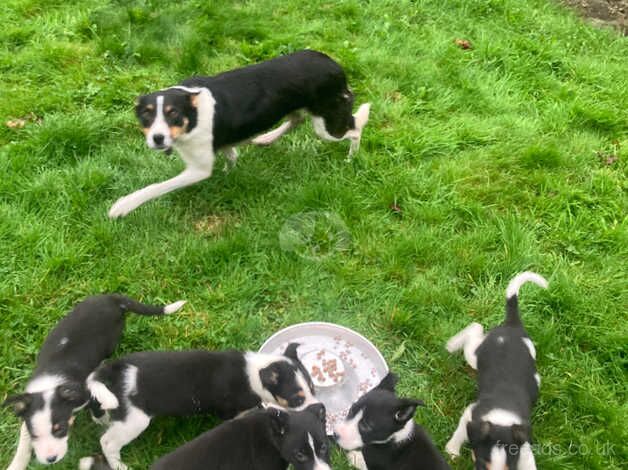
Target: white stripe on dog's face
x,y
318,463
159,128
348,433
48,448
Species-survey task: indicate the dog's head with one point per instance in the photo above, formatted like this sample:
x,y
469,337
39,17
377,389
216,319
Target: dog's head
x,y
378,417
300,436
281,379
166,115
497,447
49,414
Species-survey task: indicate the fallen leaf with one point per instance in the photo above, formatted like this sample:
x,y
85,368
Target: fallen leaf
x,y
463,43
15,123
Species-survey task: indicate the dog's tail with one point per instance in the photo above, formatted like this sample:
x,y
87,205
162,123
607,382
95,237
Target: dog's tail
x,y
129,305
512,294
99,391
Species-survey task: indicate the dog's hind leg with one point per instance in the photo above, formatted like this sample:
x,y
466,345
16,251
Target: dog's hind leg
x,y
269,137
460,434
23,452
120,434
470,339
231,153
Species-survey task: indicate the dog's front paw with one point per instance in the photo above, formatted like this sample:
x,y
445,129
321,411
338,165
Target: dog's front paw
x,y
356,459
123,206
453,449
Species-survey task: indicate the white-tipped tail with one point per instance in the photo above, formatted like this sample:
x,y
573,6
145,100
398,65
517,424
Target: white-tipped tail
x,y
168,309
100,392
86,463
520,279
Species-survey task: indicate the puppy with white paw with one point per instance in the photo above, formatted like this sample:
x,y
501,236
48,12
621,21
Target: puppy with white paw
x,y
204,115
56,390
269,439
380,434
497,425
136,388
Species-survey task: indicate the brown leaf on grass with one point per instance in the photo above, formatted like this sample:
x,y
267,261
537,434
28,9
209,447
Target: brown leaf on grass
x,y
463,44
213,224
396,208
19,123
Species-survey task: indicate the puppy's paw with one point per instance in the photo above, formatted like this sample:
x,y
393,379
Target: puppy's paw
x,y
123,206
356,459
453,449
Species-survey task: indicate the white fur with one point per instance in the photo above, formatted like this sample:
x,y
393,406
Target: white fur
x,y
537,377
44,444
460,434
349,437
402,435
174,307
498,458
361,117
269,137
44,383
470,339
520,279
356,459
121,433
63,341
318,464
159,126
530,345
526,458
501,417
100,392
23,453
86,463
196,150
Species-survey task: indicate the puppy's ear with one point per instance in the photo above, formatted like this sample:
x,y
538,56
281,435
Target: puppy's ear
x,y
478,431
72,392
291,351
19,403
520,433
318,409
269,376
406,409
389,382
279,420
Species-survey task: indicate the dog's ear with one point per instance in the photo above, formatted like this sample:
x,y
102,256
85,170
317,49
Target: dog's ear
x,y
406,409
279,420
520,433
72,392
269,376
19,403
318,410
389,382
291,351
478,431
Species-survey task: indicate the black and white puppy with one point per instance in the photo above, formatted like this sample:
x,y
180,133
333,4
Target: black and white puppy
x,y
269,439
56,390
203,115
497,425
380,434
140,386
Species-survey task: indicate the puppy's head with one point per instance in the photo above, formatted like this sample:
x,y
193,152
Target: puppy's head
x,y
48,415
287,380
300,436
166,115
497,447
378,417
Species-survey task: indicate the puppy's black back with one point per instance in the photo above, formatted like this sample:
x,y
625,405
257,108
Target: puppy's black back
x,y
252,99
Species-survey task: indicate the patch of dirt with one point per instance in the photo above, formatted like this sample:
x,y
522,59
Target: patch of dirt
x,y
213,224
604,12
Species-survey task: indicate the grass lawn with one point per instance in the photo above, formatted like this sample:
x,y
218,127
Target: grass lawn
x,y
477,164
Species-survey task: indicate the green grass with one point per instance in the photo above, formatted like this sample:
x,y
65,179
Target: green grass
x,y
501,159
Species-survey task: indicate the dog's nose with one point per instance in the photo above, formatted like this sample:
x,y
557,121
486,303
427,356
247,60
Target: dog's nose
x,y
52,459
158,139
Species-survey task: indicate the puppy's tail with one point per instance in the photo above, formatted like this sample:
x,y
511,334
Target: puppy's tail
x,y
129,305
99,391
512,294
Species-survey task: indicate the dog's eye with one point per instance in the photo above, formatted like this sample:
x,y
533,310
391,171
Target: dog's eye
x,y
300,456
365,426
172,113
147,112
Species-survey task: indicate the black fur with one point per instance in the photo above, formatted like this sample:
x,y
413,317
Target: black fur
x,y
264,440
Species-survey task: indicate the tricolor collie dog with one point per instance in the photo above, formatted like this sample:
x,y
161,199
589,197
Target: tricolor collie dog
x,y
380,434
203,115
497,425
135,388
269,439
56,390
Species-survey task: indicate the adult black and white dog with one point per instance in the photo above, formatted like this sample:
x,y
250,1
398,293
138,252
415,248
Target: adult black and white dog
x,y
380,434
203,115
269,439
497,425
136,388
56,390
